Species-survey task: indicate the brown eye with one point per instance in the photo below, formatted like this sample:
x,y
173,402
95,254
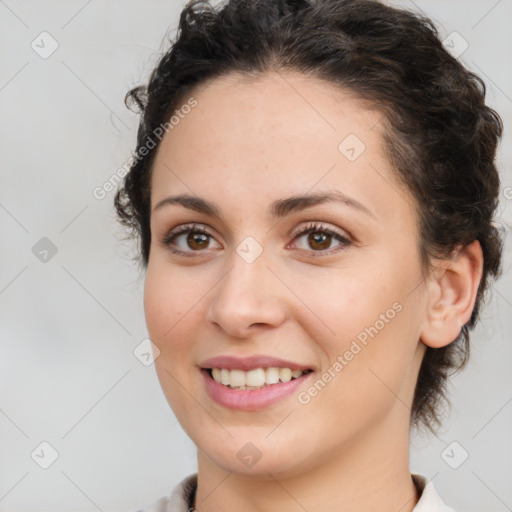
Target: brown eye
x,y
319,239
197,240
187,240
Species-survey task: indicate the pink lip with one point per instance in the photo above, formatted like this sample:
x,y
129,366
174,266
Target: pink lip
x,y
250,363
251,399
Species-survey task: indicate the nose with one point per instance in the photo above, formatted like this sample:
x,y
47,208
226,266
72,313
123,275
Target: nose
x,y
249,298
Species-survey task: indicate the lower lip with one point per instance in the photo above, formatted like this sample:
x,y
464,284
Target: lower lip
x,y
250,399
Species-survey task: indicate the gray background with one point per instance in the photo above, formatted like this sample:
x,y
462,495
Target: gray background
x,y
69,325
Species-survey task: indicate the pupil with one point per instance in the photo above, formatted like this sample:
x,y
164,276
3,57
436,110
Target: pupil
x,y
317,238
193,238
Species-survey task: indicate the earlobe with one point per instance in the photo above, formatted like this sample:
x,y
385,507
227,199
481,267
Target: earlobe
x,y
451,291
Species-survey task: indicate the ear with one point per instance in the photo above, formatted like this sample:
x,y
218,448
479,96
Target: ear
x,y
451,295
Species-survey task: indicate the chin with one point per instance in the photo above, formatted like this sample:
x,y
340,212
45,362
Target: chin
x,y
258,457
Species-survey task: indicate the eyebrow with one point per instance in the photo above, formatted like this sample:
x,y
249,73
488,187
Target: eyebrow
x,y
278,209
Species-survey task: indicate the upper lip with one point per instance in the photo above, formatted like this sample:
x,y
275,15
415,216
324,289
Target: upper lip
x,y
250,363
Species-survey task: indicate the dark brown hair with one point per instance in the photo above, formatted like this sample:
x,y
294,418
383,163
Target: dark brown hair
x,y
442,139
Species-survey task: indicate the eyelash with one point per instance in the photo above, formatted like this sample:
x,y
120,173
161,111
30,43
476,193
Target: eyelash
x,y
314,227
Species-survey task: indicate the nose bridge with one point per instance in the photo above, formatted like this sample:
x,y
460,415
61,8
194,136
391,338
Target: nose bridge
x,y
248,294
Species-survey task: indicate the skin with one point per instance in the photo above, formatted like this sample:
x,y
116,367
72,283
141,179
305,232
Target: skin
x,y
245,145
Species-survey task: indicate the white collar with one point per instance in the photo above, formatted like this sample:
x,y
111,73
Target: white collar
x,y
430,500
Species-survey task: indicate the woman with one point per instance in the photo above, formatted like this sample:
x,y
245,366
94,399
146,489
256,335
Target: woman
x,y
313,191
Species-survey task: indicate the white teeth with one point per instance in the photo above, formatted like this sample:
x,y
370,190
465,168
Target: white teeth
x,y
272,375
224,377
237,378
285,374
254,379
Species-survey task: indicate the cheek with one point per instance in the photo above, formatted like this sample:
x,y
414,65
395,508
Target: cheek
x,y
364,382
168,295
165,308
159,307
175,305
368,320
168,316
376,321
345,301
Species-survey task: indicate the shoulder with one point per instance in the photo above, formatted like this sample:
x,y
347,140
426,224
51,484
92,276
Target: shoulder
x,y
429,501
179,500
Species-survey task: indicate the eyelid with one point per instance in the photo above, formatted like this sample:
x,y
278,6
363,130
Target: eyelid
x,y
320,226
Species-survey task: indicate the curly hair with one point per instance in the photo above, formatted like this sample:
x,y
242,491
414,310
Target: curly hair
x,y
441,142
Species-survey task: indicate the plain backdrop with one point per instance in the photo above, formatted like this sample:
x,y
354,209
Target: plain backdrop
x,y
71,299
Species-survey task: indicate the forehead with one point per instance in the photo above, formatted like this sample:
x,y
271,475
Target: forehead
x,y
256,139
278,106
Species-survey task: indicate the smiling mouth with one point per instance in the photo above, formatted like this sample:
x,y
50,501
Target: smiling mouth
x,y
258,378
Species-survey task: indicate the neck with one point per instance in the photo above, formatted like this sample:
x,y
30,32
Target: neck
x,y
370,472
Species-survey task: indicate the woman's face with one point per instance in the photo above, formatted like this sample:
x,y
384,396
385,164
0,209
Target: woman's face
x,y
344,300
